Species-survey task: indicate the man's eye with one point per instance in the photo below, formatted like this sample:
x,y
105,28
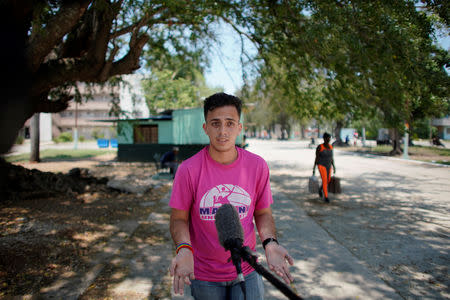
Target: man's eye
x,y
230,124
215,124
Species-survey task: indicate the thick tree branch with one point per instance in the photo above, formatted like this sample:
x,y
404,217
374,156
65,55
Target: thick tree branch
x,y
56,72
130,62
43,41
80,39
101,34
48,106
107,67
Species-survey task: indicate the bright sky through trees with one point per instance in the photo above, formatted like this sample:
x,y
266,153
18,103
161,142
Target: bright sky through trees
x,y
225,70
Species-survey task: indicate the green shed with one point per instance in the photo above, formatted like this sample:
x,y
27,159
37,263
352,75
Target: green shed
x,y
148,138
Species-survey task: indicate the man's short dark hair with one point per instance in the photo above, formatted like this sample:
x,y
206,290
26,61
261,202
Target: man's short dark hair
x,y
326,135
220,100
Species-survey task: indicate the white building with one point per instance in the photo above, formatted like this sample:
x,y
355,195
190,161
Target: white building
x,y
85,116
443,126
45,128
132,100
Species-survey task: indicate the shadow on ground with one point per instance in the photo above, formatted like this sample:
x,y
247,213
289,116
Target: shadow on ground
x,y
385,221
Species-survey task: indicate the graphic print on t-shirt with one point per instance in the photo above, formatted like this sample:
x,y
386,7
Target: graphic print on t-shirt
x,y
222,194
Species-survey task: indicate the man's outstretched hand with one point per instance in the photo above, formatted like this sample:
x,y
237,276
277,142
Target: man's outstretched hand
x,y
182,270
277,257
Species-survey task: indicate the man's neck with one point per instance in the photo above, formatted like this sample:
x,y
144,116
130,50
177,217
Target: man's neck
x,y
224,158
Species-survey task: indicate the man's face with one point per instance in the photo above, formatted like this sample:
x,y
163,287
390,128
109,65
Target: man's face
x,y
222,127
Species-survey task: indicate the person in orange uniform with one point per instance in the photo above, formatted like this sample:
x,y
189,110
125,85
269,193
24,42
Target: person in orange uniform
x,y
324,161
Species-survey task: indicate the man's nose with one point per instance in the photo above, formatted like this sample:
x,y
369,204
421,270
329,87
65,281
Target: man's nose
x,y
223,128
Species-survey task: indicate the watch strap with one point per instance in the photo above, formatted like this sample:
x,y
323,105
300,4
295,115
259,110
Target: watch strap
x,y
268,240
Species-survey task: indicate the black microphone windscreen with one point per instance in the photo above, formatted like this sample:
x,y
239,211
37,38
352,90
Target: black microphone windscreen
x,y
229,226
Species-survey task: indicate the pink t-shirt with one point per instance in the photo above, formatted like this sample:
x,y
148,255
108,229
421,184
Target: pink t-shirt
x,y
201,186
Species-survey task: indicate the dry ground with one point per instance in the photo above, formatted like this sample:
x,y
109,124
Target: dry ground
x,y
52,225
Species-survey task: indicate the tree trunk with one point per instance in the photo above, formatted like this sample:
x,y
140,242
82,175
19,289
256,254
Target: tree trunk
x,y
337,134
29,71
411,130
430,135
15,80
34,132
395,138
364,136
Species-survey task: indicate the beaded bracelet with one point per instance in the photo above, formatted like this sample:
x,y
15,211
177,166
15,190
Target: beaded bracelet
x,y
184,245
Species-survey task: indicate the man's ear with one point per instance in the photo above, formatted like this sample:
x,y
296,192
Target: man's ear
x,y
204,128
240,127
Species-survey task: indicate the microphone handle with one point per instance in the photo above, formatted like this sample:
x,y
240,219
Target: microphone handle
x,y
236,259
251,259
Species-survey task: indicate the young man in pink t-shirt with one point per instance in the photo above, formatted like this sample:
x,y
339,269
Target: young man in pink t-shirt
x,y
218,174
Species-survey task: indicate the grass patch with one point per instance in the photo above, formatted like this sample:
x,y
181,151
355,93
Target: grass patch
x,y
412,150
382,149
427,150
60,155
423,153
443,162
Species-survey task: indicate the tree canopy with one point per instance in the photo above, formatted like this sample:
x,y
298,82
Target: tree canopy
x,y
371,54
175,81
54,44
347,60
319,57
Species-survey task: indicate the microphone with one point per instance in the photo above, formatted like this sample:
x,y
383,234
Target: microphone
x,y
231,235
229,227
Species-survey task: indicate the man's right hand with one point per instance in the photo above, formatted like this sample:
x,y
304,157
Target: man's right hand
x,y
182,268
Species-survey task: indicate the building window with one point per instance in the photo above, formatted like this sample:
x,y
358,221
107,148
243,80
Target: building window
x,y
146,134
448,130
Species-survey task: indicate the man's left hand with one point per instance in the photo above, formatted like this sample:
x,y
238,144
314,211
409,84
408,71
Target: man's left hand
x,y
276,259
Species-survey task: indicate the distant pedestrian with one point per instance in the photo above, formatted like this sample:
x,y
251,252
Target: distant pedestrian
x,y
355,138
170,160
324,160
312,143
436,141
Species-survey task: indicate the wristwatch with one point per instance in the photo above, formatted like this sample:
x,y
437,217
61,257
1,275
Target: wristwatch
x,y
268,240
